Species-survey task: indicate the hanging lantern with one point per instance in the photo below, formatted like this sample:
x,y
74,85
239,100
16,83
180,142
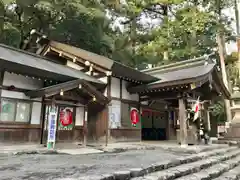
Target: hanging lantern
x,y
134,116
61,92
66,117
74,59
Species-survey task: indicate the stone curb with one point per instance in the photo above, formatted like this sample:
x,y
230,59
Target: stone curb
x,y
46,152
137,172
119,150
176,150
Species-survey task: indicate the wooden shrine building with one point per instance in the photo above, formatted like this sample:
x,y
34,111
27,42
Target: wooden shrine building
x,y
96,94
179,84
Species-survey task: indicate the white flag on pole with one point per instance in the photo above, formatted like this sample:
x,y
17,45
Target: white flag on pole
x,y
196,108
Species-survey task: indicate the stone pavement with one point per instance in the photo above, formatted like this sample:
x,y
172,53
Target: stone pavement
x,y
62,148
172,158
86,166
74,148
149,145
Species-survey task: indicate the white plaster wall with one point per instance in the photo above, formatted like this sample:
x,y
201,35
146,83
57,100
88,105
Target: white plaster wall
x,y
126,94
144,102
20,81
79,116
115,87
104,80
36,113
14,94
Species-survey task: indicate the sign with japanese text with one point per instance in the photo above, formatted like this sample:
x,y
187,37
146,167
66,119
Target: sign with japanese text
x,y
52,123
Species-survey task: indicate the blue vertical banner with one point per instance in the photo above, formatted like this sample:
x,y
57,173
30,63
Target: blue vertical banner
x,y
52,127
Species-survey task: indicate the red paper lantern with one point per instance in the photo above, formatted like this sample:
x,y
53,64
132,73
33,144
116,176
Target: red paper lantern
x,y
66,117
134,115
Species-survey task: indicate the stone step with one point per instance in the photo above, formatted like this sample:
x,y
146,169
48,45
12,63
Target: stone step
x,y
214,171
189,168
233,174
141,171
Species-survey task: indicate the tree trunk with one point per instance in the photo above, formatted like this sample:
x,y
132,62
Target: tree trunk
x,y
165,14
222,51
220,43
236,7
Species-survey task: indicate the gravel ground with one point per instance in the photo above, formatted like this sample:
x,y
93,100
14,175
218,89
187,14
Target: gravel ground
x,y
47,167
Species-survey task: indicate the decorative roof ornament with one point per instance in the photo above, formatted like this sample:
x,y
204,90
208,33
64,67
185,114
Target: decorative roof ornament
x,y
33,31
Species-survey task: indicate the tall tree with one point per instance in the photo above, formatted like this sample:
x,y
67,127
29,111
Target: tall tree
x,y
78,22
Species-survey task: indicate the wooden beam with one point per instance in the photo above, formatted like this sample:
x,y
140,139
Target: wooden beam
x,y
71,98
160,96
80,60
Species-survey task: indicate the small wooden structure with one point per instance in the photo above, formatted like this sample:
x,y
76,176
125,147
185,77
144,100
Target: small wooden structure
x,y
180,82
30,84
113,121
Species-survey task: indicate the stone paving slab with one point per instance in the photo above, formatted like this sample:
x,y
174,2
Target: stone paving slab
x,y
193,167
214,171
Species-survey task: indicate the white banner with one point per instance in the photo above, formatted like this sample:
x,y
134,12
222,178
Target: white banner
x,y
114,116
52,126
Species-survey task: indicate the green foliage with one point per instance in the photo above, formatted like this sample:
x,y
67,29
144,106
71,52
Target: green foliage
x,y
151,29
218,111
80,23
232,69
181,29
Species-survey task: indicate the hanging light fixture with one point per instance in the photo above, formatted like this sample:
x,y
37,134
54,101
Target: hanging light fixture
x,y
87,63
91,68
109,73
61,92
80,86
94,98
74,59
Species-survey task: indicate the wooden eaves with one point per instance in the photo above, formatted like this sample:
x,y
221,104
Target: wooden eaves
x,y
67,86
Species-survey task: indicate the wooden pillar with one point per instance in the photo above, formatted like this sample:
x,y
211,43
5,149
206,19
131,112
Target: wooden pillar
x,y
107,114
1,83
183,122
206,119
85,124
42,119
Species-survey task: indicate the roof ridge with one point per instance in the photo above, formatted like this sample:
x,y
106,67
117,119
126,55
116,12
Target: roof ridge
x,y
175,68
177,64
43,58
